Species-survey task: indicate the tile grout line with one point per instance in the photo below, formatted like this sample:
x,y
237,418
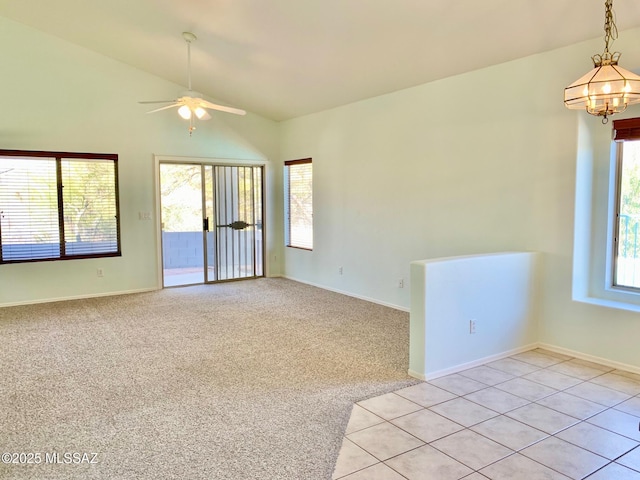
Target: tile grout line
x,y
539,368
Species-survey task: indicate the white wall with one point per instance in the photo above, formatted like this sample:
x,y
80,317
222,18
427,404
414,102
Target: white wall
x,y
60,97
478,163
498,292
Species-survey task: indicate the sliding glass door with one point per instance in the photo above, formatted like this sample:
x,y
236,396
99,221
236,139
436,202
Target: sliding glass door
x,y
211,222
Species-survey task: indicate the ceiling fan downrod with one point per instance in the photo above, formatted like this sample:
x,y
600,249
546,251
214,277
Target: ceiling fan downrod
x,y
189,37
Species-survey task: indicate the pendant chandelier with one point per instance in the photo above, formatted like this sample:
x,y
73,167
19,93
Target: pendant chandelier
x,y
608,88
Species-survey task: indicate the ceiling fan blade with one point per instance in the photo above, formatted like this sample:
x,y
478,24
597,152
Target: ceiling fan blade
x,y
159,101
165,107
222,108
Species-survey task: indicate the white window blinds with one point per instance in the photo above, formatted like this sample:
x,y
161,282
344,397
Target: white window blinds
x,y
57,206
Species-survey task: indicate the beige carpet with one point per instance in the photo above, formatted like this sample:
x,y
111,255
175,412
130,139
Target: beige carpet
x,y
243,380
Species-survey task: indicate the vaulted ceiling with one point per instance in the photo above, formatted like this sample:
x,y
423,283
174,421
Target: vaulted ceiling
x,y
287,58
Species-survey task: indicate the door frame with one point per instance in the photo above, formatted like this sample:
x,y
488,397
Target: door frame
x,y
157,159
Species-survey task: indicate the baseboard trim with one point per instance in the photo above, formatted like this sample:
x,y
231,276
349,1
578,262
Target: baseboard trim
x,y
78,297
348,294
472,364
546,346
590,358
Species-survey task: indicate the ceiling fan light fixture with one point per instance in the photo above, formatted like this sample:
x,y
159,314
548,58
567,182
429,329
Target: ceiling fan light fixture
x,y
185,112
200,112
608,88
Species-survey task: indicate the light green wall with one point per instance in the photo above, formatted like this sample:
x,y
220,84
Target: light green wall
x,y
477,163
60,97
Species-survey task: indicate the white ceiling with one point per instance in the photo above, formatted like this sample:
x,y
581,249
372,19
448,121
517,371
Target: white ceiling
x,y
287,58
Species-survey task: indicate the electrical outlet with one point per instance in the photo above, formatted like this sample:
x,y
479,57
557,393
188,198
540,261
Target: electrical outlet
x,y
340,270
99,272
401,283
472,326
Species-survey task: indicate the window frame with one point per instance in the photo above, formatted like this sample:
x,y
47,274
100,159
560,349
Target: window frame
x,y
626,130
594,219
287,202
59,157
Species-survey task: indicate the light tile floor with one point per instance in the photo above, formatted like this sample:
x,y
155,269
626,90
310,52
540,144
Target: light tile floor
x,y
537,415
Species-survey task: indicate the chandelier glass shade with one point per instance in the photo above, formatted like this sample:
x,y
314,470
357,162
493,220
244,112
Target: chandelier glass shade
x,y
608,88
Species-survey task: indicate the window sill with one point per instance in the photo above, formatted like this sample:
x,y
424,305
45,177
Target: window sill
x,y
616,304
300,248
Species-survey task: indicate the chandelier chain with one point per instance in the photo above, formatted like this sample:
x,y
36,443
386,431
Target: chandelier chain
x,y
610,29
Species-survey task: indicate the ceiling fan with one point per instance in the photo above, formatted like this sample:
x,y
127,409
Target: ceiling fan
x,y
190,103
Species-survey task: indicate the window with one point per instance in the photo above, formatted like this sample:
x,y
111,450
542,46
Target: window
x,y
627,235
58,206
299,203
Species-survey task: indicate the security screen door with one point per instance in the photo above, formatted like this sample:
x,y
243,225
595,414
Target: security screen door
x,y
211,222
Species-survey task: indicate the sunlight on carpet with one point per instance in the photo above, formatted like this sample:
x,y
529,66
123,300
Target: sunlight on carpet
x,y
241,380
